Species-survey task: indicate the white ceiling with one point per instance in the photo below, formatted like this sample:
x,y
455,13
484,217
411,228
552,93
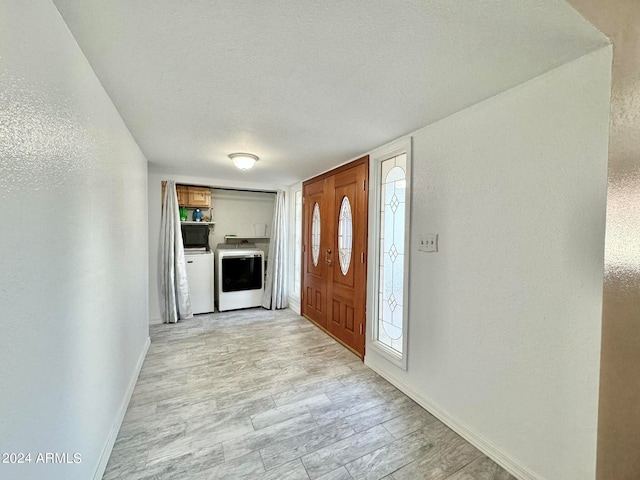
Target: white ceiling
x,y
303,84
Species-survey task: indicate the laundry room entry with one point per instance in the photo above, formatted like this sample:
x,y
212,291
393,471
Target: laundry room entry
x,y
241,243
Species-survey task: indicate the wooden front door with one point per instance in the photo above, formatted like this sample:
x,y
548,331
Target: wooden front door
x,y
334,252
315,267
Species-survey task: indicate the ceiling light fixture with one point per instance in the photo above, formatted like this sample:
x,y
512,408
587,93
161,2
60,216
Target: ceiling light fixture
x,y
244,161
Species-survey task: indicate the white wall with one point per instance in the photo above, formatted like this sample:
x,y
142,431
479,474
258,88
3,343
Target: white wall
x,y
155,180
504,328
73,274
236,213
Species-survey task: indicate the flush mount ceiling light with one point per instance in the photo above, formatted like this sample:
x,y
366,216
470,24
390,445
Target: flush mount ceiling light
x,y
244,161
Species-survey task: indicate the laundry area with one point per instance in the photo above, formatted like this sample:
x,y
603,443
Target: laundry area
x,y
225,235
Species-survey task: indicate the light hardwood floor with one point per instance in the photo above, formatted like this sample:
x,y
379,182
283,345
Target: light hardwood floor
x,y
261,394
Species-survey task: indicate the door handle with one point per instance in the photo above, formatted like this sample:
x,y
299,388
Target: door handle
x,y
326,258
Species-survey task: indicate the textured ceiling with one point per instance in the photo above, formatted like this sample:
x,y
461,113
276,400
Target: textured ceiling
x,y
303,84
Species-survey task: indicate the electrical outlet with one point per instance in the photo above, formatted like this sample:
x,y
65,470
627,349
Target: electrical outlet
x,y
428,242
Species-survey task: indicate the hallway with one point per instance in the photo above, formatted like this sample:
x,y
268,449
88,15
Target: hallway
x,y
261,394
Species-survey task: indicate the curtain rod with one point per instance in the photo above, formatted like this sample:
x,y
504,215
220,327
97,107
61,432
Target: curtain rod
x,y
231,189
244,190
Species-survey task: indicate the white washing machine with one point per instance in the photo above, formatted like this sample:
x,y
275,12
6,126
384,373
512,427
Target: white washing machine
x,y
239,276
200,277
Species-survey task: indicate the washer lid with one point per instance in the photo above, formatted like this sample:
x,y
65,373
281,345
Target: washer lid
x,y
197,251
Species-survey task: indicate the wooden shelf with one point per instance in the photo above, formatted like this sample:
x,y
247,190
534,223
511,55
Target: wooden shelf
x,y
238,237
190,222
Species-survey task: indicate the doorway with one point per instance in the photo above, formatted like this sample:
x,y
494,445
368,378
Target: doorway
x,y
334,253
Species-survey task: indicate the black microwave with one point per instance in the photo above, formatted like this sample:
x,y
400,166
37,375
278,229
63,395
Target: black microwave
x,y
195,236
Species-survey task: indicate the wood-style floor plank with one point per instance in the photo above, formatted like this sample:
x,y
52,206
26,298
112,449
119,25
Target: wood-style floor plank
x,y
259,394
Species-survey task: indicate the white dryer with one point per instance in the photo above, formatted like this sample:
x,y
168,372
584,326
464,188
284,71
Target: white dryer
x,y
239,276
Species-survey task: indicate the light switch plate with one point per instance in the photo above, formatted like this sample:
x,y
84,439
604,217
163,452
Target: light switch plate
x,y
428,242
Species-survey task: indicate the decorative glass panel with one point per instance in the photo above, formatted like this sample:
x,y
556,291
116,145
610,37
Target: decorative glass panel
x,y
345,235
392,238
315,234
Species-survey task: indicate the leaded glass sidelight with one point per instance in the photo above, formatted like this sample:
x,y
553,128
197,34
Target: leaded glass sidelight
x,y
315,234
345,235
393,197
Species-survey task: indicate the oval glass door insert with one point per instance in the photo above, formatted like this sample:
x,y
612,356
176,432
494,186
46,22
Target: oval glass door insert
x,y
345,235
315,234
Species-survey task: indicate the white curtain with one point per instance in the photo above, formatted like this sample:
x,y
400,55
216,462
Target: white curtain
x,y
275,288
175,303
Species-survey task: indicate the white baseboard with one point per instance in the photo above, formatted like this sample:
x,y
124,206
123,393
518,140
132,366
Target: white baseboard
x,y
485,446
117,423
294,304
155,321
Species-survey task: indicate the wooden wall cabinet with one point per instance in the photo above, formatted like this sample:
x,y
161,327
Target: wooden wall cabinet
x,y
195,197
183,194
198,197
